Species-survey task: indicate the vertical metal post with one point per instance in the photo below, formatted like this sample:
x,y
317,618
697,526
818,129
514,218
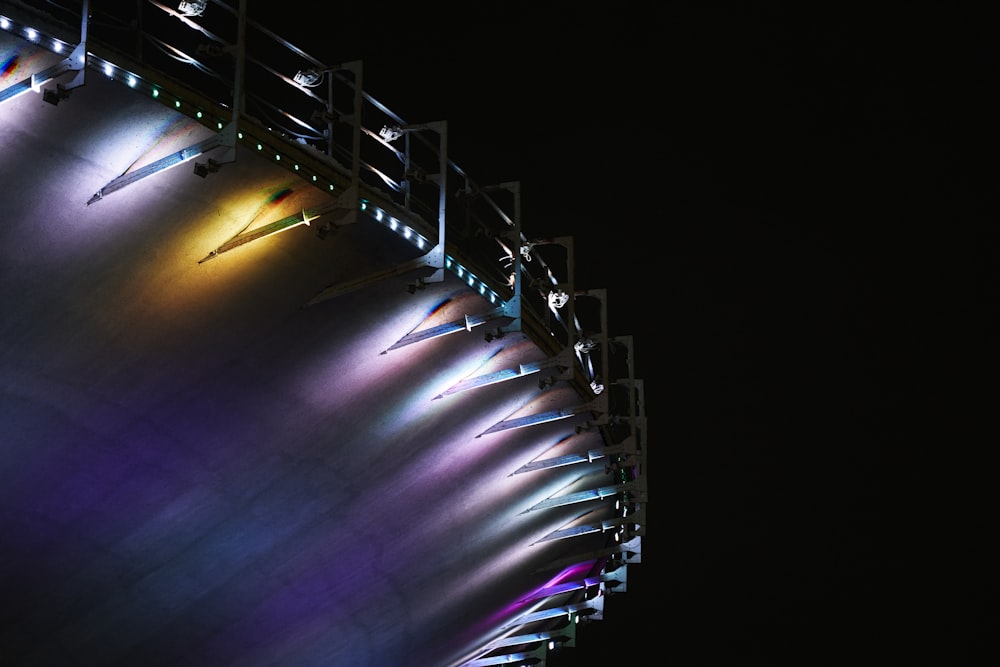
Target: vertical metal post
x,y
85,21
443,183
350,200
329,113
406,171
241,33
601,402
77,61
571,290
230,132
515,189
512,308
359,99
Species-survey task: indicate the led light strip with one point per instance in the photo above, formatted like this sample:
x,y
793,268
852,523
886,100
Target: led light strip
x,y
422,243
136,82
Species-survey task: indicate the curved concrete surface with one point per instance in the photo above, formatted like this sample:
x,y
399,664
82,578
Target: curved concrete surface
x,y
197,469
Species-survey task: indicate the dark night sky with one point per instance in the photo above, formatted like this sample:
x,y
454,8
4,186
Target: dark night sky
x,y
791,213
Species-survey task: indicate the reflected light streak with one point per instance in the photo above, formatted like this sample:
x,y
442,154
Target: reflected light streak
x,y
20,61
506,530
334,369
165,136
416,407
481,484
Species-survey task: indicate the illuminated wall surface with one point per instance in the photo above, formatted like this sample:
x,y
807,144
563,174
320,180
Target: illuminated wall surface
x,y
214,459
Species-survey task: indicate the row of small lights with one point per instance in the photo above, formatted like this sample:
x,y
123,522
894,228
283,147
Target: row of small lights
x,y
32,35
380,215
421,242
132,80
135,81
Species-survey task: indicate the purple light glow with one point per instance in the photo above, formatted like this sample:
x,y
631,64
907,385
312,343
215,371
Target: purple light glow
x,y
196,464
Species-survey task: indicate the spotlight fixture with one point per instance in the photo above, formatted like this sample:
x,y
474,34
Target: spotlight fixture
x,y
544,383
202,169
558,298
54,97
309,78
192,7
390,134
325,230
496,334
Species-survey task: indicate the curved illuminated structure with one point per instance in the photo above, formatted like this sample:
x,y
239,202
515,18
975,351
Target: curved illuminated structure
x,y
312,398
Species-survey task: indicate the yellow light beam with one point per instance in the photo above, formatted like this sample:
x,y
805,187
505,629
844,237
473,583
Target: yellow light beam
x,y
260,232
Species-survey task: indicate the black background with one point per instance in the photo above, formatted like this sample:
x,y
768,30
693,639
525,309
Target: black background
x,y
792,211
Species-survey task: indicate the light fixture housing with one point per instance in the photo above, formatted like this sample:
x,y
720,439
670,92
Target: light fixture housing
x,y
56,95
204,169
308,78
390,133
192,7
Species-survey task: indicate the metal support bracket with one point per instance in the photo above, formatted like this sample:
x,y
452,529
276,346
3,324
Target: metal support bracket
x,y
74,62
171,160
